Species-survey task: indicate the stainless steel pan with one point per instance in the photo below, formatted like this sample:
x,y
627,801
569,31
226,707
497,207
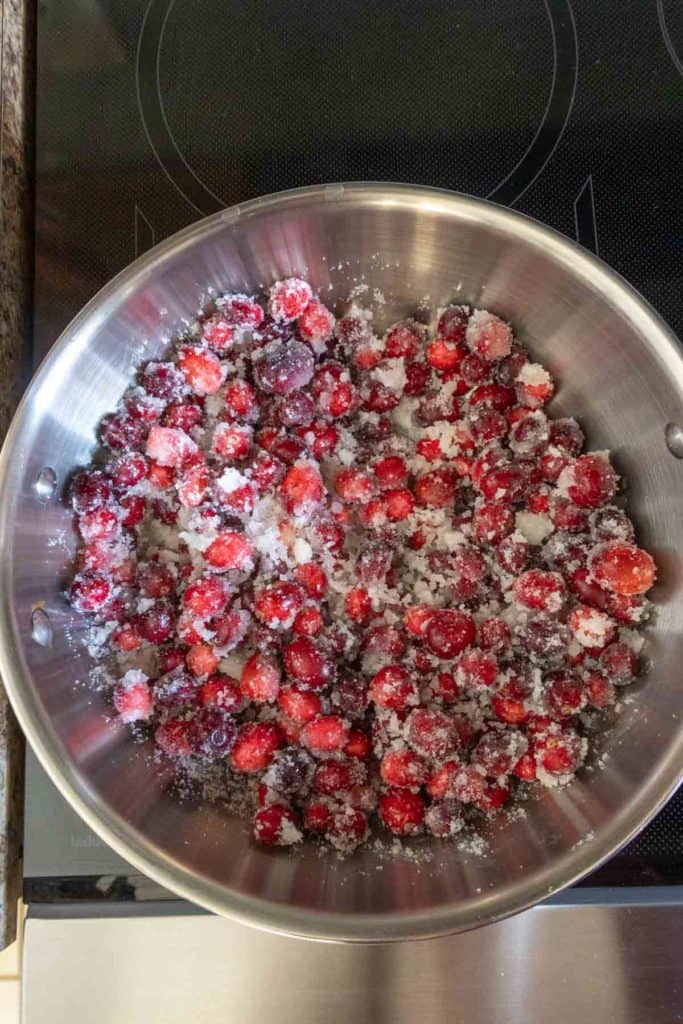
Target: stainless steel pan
x,y
621,373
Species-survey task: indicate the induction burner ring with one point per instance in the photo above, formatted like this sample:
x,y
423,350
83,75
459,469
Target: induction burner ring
x,y
204,201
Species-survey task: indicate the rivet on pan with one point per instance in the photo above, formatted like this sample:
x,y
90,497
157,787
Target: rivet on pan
x,y
674,439
46,483
41,628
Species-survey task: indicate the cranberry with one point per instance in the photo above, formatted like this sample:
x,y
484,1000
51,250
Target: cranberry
x,y
289,298
222,692
212,732
156,580
374,563
404,339
133,698
337,778
476,668
619,663
564,695
296,409
431,733
255,746
402,811
391,472
301,489
590,481
566,434
163,380
90,490
539,589
435,489
284,367
276,825
232,442
358,745
488,336
443,819
558,754
122,433
403,769
611,523
600,692
354,485
305,663
358,605
509,710
278,604
230,550
350,696
417,375
497,752
172,738
299,704
445,355
449,632
308,622
545,639
89,592
156,624
623,568
290,773
393,687
242,311
494,635
260,679
591,627
525,769
316,323
183,416
503,484
325,734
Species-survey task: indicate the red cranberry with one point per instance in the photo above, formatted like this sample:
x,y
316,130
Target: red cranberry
x,y
402,811
449,632
284,367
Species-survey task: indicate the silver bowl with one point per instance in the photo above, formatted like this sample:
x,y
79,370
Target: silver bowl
x,y
621,373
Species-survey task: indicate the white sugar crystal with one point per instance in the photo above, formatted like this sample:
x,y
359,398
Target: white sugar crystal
x,y
534,526
303,552
391,373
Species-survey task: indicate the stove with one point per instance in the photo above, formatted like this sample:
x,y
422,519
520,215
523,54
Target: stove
x,y
152,115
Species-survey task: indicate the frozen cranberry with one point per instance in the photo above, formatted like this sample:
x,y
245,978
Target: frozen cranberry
x,y
358,745
325,734
301,489
266,472
435,489
126,637
564,695
443,819
350,696
493,521
122,433
393,687
525,769
222,692
276,825
163,380
403,769
260,680
156,623
449,632
539,589
99,524
374,563
399,504
133,698
201,369
474,370
600,692
565,515
494,396
298,704
534,386
296,409
230,550
402,811
212,732
321,437
417,375
318,816
142,406
89,592
284,367
558,754
312,577
545,639
391,472
619,662
591,627
566,434
623,568
206,597
235,491
431,733
337,778
497,752
309,622
218,332
128,470
487,425
377,397
529,435
416,619
160,477
476,668
156,580
232,442
278,604
289,298
488,336
590,481
611,523
183,416
168,446
503,484
358,605
316,323
512,553
306,664
494,635
242,311
445,355
404,339
509,709
90,490
172,739
354,485
255,746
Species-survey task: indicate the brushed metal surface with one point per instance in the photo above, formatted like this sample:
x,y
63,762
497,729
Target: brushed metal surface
x,y
621,372
597,965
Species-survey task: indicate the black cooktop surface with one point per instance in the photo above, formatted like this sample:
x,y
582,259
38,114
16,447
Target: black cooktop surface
x,y
151,115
